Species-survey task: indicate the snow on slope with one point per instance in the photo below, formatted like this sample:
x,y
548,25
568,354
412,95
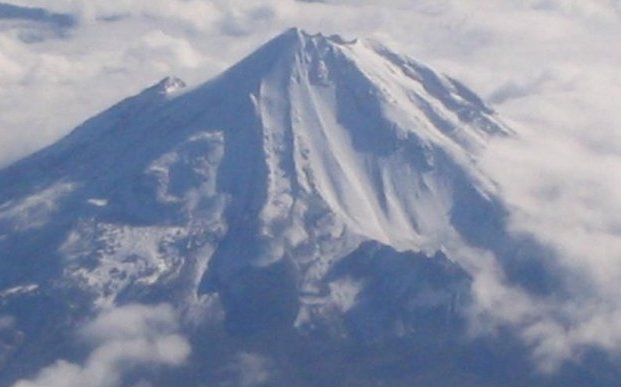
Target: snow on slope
x,y
365,132
283,165
374,145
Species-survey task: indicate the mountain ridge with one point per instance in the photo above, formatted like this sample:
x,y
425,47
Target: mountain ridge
x,y
319,184
312,130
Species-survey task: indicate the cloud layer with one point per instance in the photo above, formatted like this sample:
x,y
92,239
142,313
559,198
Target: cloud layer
x,y
123,339
550,67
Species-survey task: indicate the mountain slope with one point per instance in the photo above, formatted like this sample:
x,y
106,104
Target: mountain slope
x,y
319,185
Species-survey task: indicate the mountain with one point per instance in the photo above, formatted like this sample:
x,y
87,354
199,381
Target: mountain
x,y
318,204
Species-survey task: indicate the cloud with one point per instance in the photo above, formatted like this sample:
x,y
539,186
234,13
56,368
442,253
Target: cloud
x,y
251,369
162,52
123,339
514,89
565,191
33,25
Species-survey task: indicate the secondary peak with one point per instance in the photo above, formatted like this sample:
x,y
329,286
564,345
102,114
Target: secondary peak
x,y
169,85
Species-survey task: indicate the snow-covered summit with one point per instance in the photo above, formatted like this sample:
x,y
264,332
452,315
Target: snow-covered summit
x,y
395,82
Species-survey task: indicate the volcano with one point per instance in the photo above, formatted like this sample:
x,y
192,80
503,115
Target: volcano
x,y
319,203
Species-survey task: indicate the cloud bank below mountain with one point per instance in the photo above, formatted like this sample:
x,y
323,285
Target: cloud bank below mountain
x,y
123,339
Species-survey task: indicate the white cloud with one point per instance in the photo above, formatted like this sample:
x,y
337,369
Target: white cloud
x,y
123,338
162,52
251,369
566,191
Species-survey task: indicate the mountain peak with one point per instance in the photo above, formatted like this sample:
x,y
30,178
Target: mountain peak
x,y
304,35
305,125
252,188
168,85
367,67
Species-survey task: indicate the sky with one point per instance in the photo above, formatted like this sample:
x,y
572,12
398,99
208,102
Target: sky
x,y
550,68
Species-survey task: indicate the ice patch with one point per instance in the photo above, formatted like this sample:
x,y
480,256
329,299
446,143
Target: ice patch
x,y
98,202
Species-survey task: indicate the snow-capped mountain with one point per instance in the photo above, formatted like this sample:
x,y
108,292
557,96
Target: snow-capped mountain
x,y
319,188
